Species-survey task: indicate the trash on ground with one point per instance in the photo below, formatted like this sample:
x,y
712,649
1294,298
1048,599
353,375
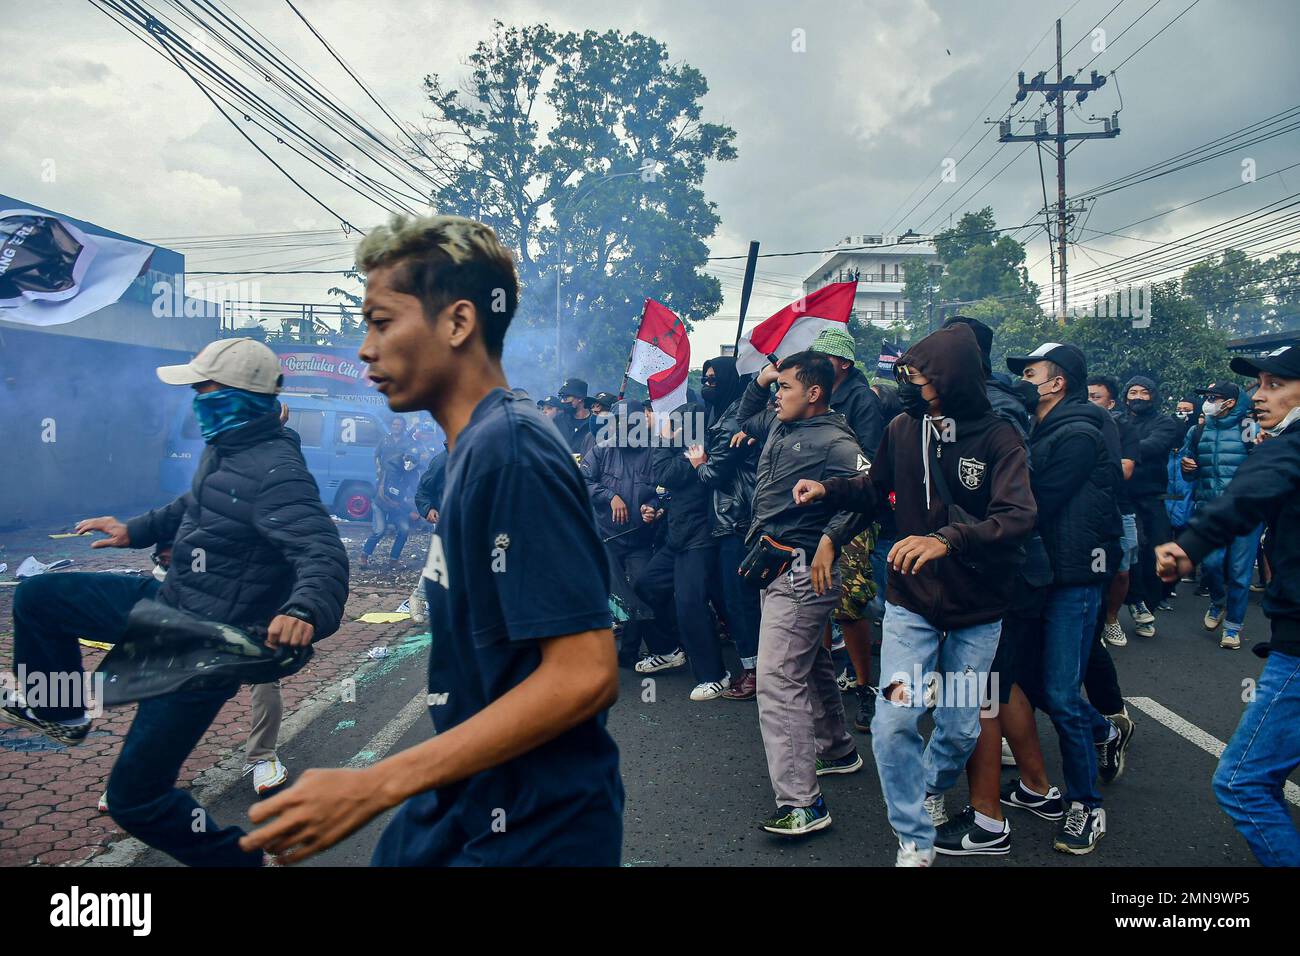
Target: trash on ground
x,y
404,607
377,653
99,645
31,567
69,534
383,617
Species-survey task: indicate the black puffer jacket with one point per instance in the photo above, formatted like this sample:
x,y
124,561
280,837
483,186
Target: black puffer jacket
x,y
251,539
689,506
1075,451
1159,436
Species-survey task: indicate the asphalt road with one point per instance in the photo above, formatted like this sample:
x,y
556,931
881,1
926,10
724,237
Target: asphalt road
x,y
697,784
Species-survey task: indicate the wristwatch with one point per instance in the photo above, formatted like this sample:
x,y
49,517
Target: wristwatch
x,y
300,614
938,537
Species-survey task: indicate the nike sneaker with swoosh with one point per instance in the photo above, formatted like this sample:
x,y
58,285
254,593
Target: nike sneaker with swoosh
x,y
963,836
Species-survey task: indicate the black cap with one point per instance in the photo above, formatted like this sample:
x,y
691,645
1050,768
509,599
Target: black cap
x,y
1221,390
604,398
1283,362
550,401
573,388
1068,357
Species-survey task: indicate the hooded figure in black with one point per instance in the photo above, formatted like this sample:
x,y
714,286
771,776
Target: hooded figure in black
x,y
722,389
730,474
1158,434
1010,400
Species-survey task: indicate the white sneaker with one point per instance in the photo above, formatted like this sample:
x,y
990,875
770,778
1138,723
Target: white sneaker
x,y
1141,614
102,805
660,662
937,811
1008,758
1113,634
711,689
845,682
419,610
267,774
909,855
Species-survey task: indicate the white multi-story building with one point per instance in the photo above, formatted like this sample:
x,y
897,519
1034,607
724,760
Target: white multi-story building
x,y
878,263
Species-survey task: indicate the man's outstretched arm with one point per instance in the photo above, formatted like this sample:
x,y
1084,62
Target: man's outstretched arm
x,y
576,679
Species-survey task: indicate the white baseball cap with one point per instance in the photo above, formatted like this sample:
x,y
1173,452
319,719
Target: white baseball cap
x,y
234,363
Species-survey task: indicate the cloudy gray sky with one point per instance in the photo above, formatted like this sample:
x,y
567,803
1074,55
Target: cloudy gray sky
x,y
832,141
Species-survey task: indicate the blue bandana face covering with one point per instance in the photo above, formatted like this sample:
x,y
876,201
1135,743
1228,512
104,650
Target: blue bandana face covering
x,y
228,408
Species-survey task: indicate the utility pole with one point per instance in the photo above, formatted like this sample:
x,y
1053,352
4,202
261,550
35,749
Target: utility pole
x,y
1054,94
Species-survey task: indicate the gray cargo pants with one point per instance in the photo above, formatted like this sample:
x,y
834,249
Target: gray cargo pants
x,y
800,713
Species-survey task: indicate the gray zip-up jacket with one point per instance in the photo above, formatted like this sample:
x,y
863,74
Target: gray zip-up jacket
x,y
820,447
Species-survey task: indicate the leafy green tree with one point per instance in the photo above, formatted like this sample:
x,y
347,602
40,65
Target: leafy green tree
x,y
976,264
1245,296
1181,349
586,153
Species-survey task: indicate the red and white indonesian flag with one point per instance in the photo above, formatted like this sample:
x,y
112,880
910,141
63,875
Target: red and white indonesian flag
x,y
661,356
794,327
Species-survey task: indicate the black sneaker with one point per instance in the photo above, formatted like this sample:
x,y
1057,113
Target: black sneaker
x,y
1050,807
962,836
65,733
1110,755
1081,830
866,709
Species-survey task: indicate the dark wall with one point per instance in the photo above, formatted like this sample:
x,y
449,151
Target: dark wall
x,y
109,413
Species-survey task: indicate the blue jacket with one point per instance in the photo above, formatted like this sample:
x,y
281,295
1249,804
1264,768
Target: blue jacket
x,y
1219,449
1179,505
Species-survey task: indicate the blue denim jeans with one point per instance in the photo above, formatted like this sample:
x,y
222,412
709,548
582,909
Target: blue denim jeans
x,y
880,573
1258,759
1227,570
909,768
50,613
1069,626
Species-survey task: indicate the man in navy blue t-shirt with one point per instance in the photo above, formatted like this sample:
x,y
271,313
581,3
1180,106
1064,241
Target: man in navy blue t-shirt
x,y
522,665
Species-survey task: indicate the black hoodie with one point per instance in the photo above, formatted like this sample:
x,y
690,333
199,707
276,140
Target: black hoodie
x,y
985,467
1158,435
726,390
689,505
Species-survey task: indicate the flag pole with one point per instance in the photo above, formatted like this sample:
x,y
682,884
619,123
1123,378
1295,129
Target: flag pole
x,y
622,388
751,264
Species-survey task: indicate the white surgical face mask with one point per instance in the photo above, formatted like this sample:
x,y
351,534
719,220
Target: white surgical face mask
x,y
1211,409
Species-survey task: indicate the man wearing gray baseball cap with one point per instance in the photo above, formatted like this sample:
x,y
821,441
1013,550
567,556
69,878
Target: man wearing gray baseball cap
x,y
252,546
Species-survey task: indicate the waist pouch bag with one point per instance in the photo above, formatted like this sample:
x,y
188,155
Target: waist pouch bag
x,y
767,560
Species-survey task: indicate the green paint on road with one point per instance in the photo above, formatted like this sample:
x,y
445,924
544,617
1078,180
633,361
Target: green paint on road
x,y
344,725
410,646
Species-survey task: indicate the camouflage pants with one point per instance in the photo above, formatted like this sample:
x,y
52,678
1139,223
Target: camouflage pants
x,y
855,569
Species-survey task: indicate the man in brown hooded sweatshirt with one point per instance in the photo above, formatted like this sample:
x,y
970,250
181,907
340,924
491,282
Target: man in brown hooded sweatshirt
x,y
963,507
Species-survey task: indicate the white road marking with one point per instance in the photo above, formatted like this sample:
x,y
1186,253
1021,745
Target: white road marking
x,y
1189,731
391,732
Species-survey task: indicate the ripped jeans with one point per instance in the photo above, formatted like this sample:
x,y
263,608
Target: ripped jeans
x,y
909,768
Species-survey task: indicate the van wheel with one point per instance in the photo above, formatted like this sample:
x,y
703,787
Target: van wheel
x,y
353,502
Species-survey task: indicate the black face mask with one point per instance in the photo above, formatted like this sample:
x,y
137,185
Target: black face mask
x,y
709,390
1028,393
1140,406
914,403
